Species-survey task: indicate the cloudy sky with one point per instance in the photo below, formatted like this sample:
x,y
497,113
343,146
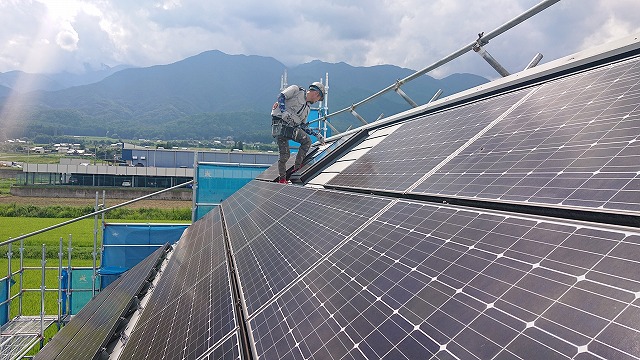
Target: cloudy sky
x,y
44,36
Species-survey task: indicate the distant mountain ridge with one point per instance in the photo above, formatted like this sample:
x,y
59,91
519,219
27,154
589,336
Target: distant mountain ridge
x,y
26,82
211,94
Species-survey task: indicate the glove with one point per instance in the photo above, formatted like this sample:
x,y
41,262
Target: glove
x,y
320,138
308,131
280,102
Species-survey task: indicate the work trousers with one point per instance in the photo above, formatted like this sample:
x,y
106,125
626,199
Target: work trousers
x,y
300,137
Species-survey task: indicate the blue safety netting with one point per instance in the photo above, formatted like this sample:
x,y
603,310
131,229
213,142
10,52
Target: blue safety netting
x,y
80,292
217,182
125,245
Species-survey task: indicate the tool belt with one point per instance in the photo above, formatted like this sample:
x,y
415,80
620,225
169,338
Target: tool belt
x,y
280,128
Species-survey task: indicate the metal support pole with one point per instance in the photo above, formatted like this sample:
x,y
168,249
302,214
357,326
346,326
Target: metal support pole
x,y
325,104
492,34
354,113
69,269
43,288
331,126
194,188
21,277
492,61
436,95
536,59
103,214
9,255
478,48
95,248
60,256
404,95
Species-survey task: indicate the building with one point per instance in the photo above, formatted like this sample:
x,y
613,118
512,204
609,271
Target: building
x,y
141,167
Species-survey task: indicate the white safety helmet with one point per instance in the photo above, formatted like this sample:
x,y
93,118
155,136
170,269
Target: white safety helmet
x,y
319,88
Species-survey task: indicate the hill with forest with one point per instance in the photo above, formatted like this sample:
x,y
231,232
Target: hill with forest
x,y
209,95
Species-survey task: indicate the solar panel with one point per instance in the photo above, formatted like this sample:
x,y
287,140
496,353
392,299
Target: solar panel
x,y
291,231
419,145
251,197
191,309
574,142
85,336
424,281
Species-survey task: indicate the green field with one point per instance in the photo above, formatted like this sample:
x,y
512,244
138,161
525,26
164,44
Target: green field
x,y
81,234
5,184
81,255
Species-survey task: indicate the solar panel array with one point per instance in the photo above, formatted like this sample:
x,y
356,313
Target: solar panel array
x,y
424,281
419,145
334,275
190,311
574,142
85,336
569,142
340,273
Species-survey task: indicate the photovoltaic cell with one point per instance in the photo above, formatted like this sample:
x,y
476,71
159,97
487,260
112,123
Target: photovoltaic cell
x,y
574,142
424,281
417,146
91,329
294,234
228,350
191,309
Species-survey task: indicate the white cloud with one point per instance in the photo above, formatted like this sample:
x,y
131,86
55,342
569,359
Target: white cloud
x,y
408,33
67,40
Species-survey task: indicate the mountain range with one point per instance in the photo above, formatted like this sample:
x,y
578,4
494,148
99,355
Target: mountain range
x,y
208,95
25,82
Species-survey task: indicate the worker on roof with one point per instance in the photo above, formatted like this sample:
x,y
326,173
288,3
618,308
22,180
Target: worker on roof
x,y
289,122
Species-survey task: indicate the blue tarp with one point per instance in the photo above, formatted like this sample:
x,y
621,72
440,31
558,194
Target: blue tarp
x,y
125,245
81,292
217,182
5,291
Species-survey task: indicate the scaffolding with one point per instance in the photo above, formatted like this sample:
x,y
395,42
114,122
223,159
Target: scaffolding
x,y
20,334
